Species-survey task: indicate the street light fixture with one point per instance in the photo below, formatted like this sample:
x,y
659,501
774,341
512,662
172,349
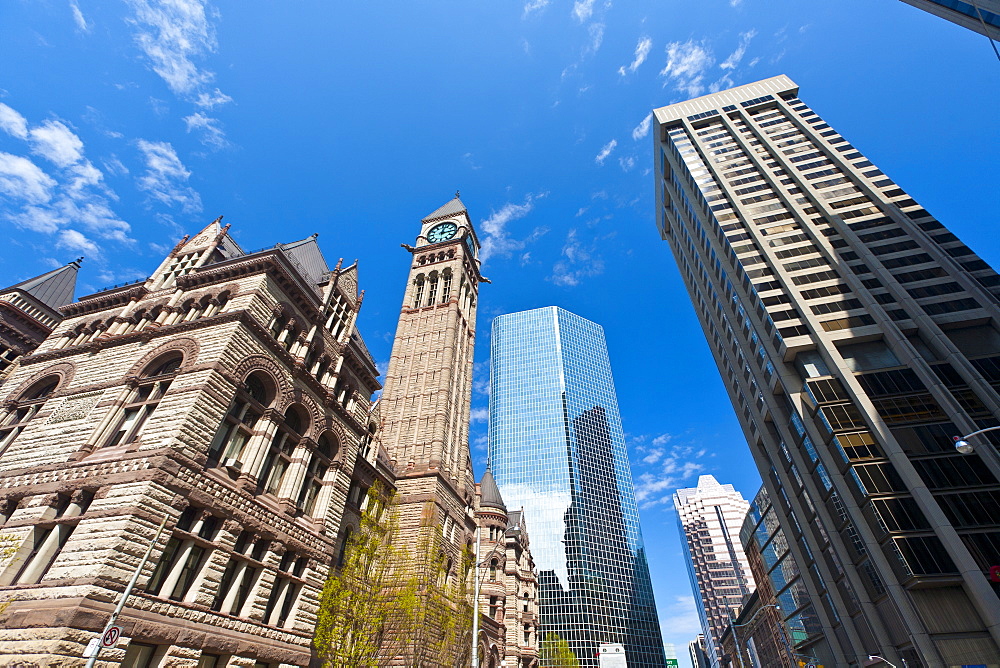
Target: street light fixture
x,y
876,657
962,442
736,639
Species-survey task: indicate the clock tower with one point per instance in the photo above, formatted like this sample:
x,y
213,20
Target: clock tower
x,y
428,386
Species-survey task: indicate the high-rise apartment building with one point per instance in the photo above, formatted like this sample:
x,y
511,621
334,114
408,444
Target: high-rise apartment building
x,y
855,335
982,16
710,516
557,450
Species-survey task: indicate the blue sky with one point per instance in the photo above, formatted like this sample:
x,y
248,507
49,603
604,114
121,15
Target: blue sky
x,y
125,125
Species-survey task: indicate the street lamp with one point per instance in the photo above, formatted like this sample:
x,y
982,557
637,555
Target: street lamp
x,y
475,595
962,442
736,638
876,657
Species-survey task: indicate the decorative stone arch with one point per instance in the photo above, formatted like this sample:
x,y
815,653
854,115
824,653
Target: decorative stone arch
x,y
266,364
297,396
64,370
327,423
188,348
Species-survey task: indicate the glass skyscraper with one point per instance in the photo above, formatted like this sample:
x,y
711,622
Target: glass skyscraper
x,y
557,449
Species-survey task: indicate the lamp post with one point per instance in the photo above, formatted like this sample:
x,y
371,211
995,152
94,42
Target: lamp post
x,y
962,442
736,638
475,596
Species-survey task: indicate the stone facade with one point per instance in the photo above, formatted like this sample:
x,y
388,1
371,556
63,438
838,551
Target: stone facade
x,y
29,312
428,387
508,595
228,393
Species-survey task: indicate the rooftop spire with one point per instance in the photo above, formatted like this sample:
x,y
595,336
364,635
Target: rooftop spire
x,y
489,493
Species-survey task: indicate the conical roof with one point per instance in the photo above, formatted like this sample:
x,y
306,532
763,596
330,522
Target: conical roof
x,y
489,493
309,257
54,288
450,208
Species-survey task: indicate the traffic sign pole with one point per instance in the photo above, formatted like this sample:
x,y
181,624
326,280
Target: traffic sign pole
x,y
107,633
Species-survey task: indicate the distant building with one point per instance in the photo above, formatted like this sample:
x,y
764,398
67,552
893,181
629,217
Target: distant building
x,y
557,449
856,336
508,597
765,635
982,16
710,516
29,311
698,652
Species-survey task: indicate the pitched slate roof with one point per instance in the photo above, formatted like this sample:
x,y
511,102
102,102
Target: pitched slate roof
x,y
489,493
54,288
450,208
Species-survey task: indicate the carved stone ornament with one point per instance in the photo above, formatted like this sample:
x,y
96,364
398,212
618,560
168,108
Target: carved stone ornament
x,y
188,347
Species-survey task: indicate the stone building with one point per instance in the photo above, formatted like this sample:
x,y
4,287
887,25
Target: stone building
x,y
228,393
428,388
508,595
29,311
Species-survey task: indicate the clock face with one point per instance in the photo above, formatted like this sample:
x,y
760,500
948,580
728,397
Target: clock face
x,y
442,232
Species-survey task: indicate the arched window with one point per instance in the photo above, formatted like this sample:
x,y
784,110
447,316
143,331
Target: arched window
x,y
279,453
418,299
432,291
366,441
252,399
319,464
143,400
446,287
27,407
278,325
344,545
493,570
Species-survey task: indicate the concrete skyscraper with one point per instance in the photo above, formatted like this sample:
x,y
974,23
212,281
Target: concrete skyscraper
x,y
710,517
557,450
982,16
856,335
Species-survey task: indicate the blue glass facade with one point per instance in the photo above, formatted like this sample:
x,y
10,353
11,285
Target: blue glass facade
x,y
557,449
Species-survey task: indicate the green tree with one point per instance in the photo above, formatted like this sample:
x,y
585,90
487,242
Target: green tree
x,y
387,601
366,610
555,653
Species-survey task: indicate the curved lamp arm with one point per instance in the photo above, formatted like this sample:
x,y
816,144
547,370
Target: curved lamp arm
x,y
962,442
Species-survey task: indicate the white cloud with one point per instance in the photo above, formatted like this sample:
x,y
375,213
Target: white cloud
x,y
641,130
173,34
736,56
166,177
21,179
73,194
605,152
56,142
533,6
641,53
74,241
596,31
665,466
78,18
686,65
211,134
627,163
578,261
12,122
497,240
680,619
583,9
479,415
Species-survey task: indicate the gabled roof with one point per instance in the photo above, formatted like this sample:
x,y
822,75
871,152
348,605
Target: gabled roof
x,y
308,257
54,288
489,493
450,208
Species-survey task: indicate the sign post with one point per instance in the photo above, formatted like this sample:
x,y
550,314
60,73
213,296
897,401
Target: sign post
x,y
111,633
